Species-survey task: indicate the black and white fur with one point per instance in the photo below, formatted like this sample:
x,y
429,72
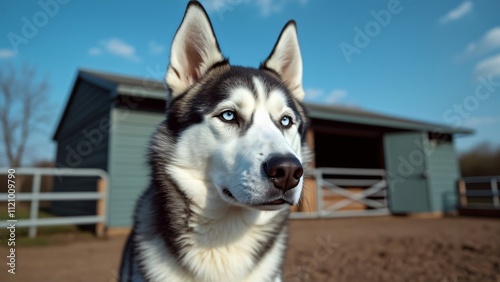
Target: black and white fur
x,y
211,212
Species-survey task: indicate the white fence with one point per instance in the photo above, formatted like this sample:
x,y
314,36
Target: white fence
x,y
372,194
336,182
36,196
468,191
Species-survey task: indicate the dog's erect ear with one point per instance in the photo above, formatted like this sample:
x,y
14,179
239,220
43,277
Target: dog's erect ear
x,y
285,59
194,50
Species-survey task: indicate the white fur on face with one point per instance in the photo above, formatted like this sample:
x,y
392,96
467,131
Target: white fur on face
x,y
216,152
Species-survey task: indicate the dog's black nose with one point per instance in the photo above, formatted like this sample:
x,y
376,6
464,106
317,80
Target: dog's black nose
x,y
284,170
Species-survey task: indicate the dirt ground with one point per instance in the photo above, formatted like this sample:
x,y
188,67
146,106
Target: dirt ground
x,y
361,249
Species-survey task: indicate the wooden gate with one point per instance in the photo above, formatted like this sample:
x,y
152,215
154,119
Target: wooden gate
x,y
343,192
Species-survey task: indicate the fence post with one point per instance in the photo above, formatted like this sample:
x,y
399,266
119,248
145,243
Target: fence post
x,y
34,204
319,192
385,193
462,193
494,191
100,228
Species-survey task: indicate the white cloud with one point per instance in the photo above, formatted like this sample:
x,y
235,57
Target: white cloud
x,y
120,48
313,93
156,48
218,5
478,121
335,96
488,67
116,47
269,6
490,41
266,7
457,13
95,51
320,96
7,53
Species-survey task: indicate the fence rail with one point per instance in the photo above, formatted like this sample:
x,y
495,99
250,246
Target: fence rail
x,y
467,190
333,182
35,196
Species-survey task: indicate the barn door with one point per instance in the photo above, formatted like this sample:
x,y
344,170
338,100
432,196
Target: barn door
x,y
406,172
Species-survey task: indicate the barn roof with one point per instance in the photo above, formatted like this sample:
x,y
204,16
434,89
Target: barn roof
x,y
361,116
125,85
153,89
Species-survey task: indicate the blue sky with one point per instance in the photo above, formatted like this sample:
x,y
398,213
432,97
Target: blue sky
x,y
417,59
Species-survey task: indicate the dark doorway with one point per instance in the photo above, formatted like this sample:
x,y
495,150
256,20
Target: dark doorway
x,y
335,150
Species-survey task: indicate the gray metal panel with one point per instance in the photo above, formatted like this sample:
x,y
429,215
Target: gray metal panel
x,y
129,173
82,143
443,176
88,104
405,164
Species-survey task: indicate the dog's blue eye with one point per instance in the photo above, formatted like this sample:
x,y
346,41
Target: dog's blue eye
x,y
286,121
228,116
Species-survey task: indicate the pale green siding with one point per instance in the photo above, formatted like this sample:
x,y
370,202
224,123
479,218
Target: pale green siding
x,y
431,184
128,169
442,166
82,143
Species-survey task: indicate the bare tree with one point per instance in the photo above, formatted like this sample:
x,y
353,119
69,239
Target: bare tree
x,y
482,160
23,109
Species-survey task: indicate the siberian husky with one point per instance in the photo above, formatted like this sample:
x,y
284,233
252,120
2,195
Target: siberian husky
x,y
226,164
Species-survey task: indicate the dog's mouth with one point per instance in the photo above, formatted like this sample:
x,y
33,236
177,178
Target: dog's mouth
x,y
228,193
280,201
276,202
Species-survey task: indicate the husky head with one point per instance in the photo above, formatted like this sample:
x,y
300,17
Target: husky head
x,y
240,131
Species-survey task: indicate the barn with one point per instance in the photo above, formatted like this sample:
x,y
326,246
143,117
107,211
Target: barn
x,y
109,118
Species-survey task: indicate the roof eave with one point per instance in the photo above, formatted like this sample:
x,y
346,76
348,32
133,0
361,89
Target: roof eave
x,y
399,124
140,91
92,78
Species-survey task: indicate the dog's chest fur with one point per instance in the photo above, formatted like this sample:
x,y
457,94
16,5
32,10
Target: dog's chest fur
x,y
226,245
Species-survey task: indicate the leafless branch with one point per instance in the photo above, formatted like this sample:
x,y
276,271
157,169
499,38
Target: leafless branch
x,y
23,108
